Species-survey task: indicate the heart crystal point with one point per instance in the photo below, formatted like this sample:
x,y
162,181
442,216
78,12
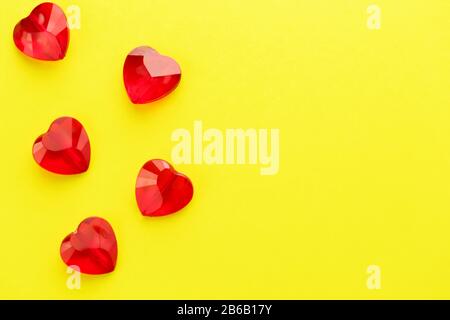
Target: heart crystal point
x,y
44,34
64,148
92,248
161,190
149,76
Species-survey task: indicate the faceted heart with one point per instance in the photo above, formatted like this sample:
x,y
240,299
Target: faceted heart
x,y
160,190
64,149
149,76
92,248
44,34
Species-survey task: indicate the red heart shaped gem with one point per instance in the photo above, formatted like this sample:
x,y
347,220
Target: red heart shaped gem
x,y
149,76
161,190
92,248
44,34
64,149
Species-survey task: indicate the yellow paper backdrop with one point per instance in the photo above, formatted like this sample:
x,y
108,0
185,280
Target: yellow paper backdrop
x,y
364,119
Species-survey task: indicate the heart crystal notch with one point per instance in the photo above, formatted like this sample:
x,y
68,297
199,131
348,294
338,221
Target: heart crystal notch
x,y
149,76
92,248
44,34
64,148
161,190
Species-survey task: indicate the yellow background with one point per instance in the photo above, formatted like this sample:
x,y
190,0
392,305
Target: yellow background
x,y
364,174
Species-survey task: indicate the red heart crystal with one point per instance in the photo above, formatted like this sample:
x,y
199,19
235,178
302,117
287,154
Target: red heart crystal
x,y
149,76
160,190
44,34
64,149
92,248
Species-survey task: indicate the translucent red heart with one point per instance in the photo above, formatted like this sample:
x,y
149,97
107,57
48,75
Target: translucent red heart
x,y
92,248
149,76
64,148
44,34
161,190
